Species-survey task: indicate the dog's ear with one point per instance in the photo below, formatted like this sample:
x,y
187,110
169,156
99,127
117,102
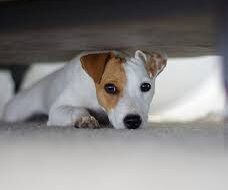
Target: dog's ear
x,y
154,62
94,64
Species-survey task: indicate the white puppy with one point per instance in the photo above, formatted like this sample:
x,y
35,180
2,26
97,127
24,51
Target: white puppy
x,y
107,82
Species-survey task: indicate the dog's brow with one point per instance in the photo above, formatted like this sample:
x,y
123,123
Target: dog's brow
x,y
114,73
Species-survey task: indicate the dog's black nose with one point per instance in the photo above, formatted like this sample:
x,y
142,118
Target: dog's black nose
x,y
132,121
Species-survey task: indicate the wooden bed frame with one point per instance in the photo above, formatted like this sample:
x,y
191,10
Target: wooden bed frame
x,y
32,31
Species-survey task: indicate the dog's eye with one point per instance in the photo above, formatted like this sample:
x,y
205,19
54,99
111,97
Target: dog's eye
x,y
145,87
110,88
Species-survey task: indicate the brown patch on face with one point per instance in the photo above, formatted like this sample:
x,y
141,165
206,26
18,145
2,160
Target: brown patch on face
x,y
155,64
114,73
94,64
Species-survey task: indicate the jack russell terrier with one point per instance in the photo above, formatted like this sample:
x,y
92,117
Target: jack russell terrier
x,y
107,82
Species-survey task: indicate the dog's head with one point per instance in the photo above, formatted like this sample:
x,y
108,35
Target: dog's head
x,y
124,86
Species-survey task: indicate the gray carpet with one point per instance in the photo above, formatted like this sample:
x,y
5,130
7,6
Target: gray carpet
x,y
203,133
163,156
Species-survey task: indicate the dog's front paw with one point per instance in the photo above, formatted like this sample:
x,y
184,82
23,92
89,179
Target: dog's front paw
x,y
87,122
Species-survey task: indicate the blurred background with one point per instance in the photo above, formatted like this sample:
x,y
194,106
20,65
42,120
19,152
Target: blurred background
x,y
190,89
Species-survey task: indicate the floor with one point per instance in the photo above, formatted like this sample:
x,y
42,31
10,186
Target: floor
x,y
163,156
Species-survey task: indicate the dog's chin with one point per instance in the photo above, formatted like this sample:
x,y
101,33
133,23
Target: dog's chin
x,y
118,126
122,126
115,120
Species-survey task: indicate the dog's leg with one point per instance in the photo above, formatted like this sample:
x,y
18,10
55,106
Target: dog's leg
x,y
71,116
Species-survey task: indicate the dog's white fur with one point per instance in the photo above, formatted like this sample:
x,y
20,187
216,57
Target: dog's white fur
x,y
66,94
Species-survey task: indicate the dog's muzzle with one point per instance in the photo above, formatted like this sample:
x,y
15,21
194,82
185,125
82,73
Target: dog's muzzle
x,y
132,121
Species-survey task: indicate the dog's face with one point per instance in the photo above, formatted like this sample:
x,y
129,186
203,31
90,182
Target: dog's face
x,y
124,86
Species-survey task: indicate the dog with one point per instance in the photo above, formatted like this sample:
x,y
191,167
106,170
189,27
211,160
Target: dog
x,y
109,83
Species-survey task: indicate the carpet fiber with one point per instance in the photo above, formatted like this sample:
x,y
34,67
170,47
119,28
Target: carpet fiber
x,y
163,156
